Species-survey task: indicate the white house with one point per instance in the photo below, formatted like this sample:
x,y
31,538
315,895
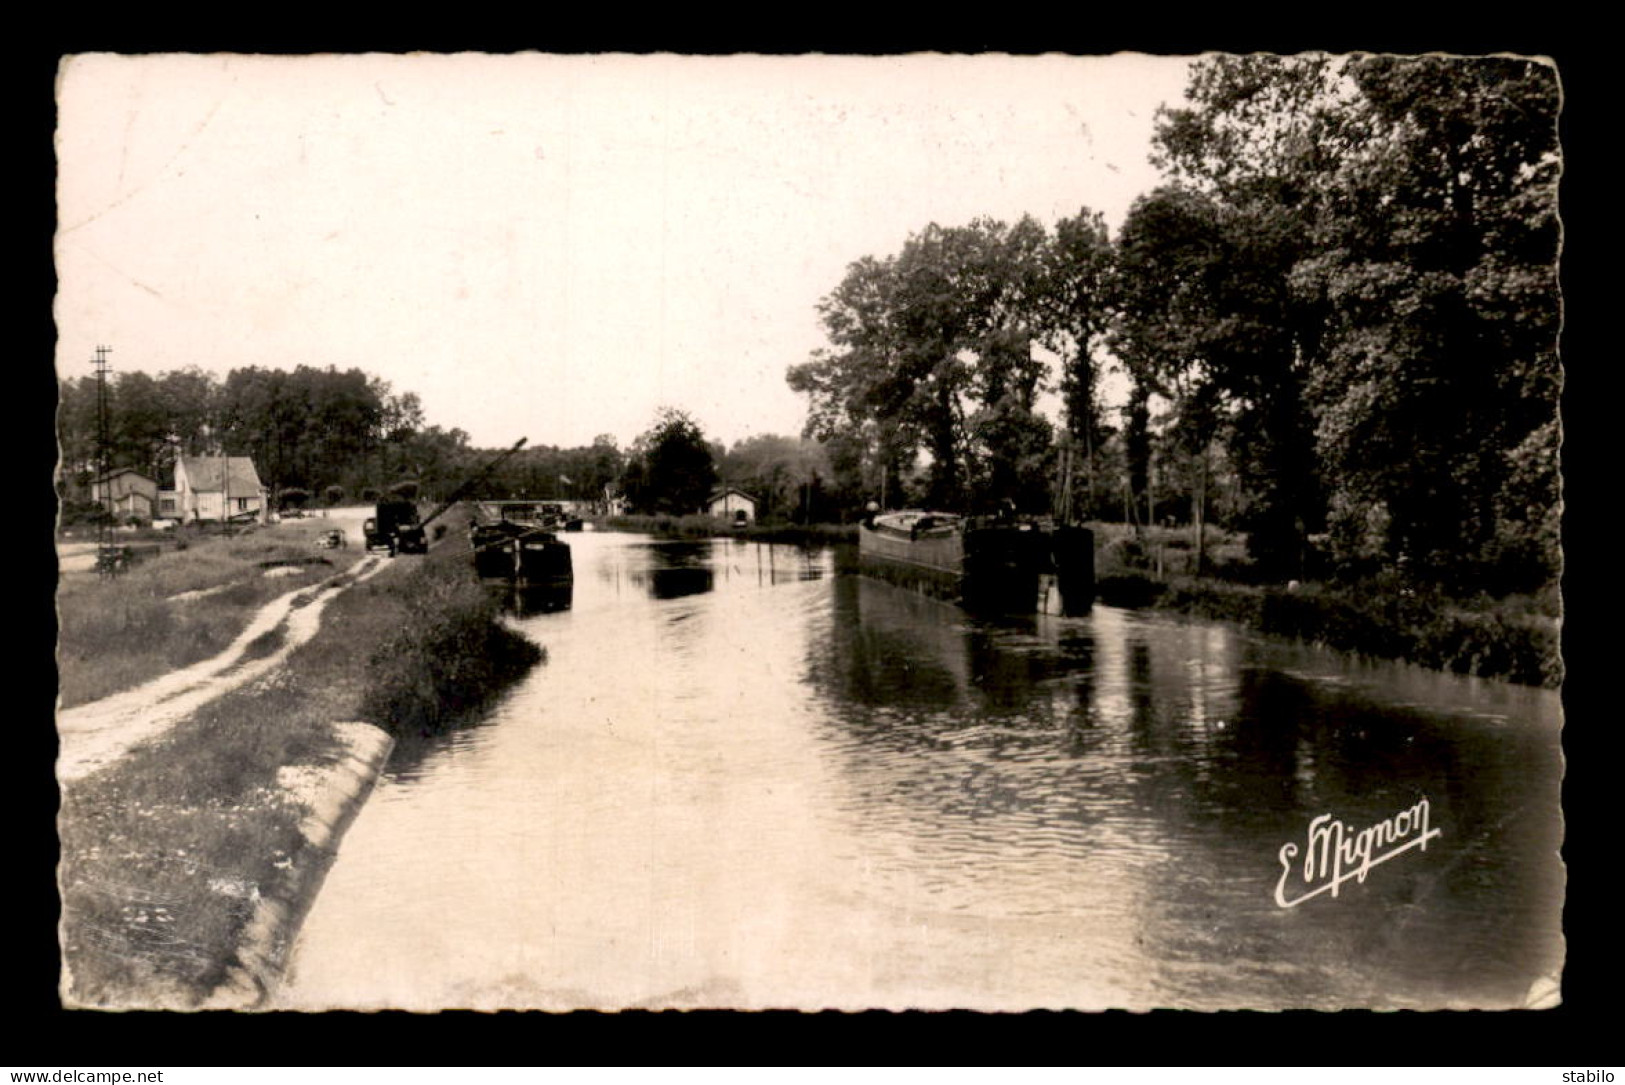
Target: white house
x,y
731,504
217,487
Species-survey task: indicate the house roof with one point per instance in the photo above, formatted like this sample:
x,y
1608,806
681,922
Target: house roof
x,y
718,495
117,471
206,474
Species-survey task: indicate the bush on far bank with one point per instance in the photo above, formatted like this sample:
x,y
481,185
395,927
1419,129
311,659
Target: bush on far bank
x,y
1512,640
703,526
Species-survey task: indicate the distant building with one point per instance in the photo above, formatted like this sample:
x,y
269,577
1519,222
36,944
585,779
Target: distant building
x,y
126,492
732,504
216,488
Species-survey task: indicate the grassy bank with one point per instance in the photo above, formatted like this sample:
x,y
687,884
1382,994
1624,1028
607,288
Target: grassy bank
x,y
697,526
180,607
166,853
1516,639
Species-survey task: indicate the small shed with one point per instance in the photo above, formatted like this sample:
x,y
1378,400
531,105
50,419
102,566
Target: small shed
x,y
126,492
732,504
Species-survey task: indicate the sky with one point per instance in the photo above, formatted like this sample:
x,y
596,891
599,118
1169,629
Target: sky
x,y
550,247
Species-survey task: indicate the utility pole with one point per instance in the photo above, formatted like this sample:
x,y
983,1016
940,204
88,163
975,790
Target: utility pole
x,y
103,463
225,490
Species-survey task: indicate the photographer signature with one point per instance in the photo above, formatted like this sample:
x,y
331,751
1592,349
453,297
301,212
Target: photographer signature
x,y
1336,854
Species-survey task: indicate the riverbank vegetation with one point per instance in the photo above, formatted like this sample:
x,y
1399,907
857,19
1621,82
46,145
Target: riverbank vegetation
x,y
1517,638
701,526
180,606
441,654
167,852
1332,333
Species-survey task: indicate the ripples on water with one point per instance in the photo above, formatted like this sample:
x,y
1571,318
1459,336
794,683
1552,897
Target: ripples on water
x,y
744,780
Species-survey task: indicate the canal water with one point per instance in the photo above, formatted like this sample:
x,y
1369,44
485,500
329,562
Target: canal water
x,y
745,779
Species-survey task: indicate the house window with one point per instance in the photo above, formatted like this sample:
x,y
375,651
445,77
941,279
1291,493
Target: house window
x,y
242,504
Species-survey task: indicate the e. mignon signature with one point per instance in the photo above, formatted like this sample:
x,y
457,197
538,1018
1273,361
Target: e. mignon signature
x,y
1336,853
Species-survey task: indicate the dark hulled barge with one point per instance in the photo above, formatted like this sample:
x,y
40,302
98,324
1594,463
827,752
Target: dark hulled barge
x,y
512,545
990,564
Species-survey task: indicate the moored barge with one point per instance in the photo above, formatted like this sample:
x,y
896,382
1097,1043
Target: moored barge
x,y
509,547
1000,564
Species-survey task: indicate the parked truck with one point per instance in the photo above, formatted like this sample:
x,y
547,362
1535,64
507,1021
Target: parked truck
x,y
395,526
395,523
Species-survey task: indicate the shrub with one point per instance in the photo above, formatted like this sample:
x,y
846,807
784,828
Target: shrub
x,y
84,514
293,498
1123,554
450,656
693,525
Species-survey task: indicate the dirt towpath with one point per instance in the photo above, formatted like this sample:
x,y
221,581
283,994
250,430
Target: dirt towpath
x,y
98,733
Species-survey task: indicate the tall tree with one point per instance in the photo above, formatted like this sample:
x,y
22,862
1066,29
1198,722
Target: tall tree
x,y
141,424
1257,145
1438,247
675,471
1075,303
438,458
932,351
76,428
1389,308
189,397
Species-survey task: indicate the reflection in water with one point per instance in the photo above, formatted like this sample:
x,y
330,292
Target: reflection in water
x,y
676,582
791,788
1184,751
676,569
524,601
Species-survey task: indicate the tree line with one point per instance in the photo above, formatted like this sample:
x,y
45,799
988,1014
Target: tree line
x,y
315,435
308,430
324,436
1336,321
